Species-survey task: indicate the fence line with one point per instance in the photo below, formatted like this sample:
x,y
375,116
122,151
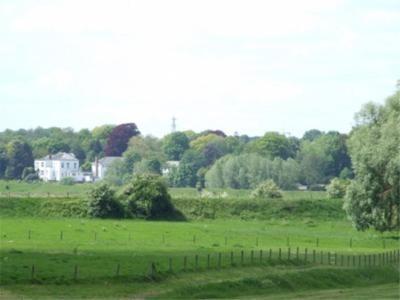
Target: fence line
x,y
220,260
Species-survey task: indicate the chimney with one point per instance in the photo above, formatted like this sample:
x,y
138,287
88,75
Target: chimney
x,y
96,167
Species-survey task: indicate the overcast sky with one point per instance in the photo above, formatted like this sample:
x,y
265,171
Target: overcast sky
x,y
245,66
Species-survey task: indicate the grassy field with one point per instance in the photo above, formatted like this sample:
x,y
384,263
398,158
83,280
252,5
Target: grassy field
x,y
58,257
104,248
44,189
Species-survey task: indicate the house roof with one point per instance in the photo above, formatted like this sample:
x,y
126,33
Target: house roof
x,y
108,160
59,156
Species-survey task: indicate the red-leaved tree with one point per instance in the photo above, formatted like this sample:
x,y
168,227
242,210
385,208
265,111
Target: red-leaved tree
x,y
118,139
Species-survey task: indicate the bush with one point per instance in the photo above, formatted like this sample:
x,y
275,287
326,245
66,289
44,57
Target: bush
x,y
67,181
103,203
337,188
147,196
31,177
267,189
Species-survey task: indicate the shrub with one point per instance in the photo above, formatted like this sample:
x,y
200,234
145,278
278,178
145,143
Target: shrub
x,y
147,196
67,181
103,203
337,188
267,189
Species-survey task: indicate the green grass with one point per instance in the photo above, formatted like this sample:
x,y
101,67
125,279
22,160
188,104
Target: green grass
x,y
54,189
42,189
47,233
280,282
98,246
284,281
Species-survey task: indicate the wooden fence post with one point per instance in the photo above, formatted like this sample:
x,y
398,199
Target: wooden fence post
x,y
313,256
359,260
242,257
232,258
270,253
305,254
329,258
261,256
76,272
252,256
335,258
118,268
288,253
153,270
208,261
341,259
280,254
354,260
348,260
322,257
196,262
33,272
297,253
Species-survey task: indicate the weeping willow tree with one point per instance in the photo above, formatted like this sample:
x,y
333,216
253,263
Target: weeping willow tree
x,y
373,197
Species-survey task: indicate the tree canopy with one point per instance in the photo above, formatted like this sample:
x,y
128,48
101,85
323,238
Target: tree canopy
x,y
373,197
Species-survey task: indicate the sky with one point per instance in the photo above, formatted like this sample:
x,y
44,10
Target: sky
x,y
238,66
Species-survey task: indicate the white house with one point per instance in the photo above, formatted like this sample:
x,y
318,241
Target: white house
x,y
100,166
169,165
55,167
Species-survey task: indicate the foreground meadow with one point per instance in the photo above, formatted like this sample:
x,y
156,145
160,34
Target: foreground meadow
x,y
290,247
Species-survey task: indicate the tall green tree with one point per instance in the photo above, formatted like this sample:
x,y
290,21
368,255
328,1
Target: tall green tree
x,y
19,154
272,145
373,197
175,144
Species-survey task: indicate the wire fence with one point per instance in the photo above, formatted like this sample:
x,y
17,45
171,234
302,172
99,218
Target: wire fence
x,y
222,261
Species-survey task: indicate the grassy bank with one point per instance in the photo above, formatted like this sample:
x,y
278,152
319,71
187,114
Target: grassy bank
x,y
283,282
192,208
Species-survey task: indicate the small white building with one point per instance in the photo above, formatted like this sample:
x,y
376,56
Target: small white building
x,y
100,166
55,167
169,165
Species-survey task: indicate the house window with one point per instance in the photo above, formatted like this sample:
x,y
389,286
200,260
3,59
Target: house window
x,y
62,165
41,172
42,164
67,165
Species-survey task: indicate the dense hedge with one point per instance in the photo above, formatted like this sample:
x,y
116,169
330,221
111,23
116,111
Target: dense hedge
x,y
192,208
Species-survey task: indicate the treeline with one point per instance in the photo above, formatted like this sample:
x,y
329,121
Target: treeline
x,y
209,158
19,148
213,159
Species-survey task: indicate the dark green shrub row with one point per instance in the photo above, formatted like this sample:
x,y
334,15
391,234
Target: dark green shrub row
x,y
192,208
